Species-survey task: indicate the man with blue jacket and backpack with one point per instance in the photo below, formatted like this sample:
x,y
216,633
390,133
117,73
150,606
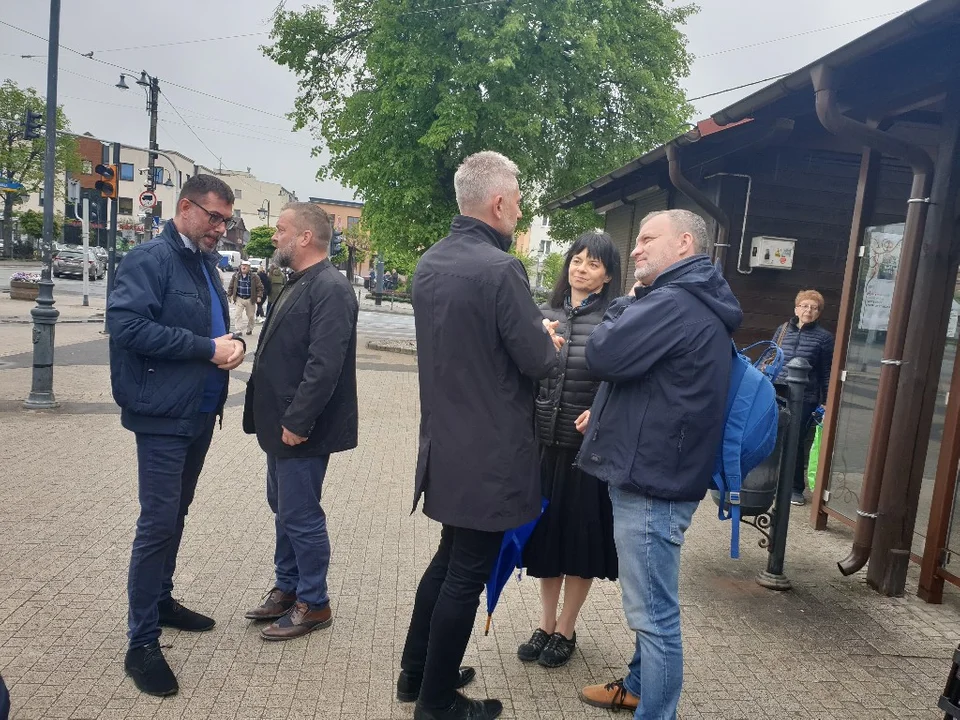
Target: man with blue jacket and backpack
x,y
664,355
170,357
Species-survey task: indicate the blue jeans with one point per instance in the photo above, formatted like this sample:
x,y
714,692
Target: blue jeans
x,y
168,469
649,533
302,554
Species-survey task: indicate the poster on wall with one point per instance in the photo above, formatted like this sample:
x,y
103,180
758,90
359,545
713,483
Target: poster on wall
x,y
882,256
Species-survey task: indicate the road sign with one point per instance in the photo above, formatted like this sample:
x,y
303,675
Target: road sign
x,y
148,199
10,186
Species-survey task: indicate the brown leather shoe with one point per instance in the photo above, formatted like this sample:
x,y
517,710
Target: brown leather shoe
x,y
298,621
613,696
275,605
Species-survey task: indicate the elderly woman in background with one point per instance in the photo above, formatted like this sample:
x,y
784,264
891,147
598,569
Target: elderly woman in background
x,y
802,336
573,541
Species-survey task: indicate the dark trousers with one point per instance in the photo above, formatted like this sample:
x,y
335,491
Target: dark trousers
x,y
302,553
260,308
806,442
445,609
168,468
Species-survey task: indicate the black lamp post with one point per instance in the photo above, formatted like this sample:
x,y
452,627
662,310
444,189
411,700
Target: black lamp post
x,y
152,87
44,314
264,212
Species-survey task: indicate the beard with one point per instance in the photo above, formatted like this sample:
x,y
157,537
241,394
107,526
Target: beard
x,y
283,257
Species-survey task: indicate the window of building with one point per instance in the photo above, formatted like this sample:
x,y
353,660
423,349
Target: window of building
x,y
126,171
157,176
87,167
125,206
237,193
40,199
351,221
158,209
544,247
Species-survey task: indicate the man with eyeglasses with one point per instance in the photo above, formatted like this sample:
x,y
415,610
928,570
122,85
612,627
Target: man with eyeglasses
x,y
170,357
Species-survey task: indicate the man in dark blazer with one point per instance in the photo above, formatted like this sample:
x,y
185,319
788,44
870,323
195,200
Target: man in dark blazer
x,y
301,402
482,344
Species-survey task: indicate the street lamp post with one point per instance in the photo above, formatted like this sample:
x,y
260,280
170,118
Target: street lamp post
x,y
152,87
44,314
264,212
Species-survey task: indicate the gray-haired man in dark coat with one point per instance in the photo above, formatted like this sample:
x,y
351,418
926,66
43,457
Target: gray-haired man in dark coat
x,y
482,344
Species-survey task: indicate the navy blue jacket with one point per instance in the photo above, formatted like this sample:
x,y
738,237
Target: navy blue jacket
x,y
160,347
813,343
664,356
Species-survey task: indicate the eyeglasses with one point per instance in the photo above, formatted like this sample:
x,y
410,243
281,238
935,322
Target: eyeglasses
x,y
216,218
811,308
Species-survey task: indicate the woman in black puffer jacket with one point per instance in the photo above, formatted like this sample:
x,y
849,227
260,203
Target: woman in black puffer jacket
x,y
573,541
802,336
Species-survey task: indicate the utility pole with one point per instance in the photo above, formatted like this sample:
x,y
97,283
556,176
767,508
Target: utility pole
x,y
153,97
44,314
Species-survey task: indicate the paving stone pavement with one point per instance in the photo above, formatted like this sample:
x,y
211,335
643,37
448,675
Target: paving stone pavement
x,y
831,648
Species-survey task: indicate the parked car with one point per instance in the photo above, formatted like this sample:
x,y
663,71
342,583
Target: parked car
x,y
70,262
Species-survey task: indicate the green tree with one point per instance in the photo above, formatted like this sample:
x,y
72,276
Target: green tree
x,y
22,160
529,263
400,91
31,223
550,269
260,244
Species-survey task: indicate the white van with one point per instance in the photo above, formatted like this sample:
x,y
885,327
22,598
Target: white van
x,y
232,260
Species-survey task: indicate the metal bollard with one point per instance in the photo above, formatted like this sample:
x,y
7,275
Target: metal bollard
x,y
798,370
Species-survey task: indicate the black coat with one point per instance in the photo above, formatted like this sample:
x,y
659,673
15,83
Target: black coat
x,y
570,388
305,371
481,347
813,343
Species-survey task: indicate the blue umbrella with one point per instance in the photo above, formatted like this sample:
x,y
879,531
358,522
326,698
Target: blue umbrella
x,y
510,558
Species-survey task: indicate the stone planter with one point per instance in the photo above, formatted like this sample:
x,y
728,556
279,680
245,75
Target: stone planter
x,y
23,290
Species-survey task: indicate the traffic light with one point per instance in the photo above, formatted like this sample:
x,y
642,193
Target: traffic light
x,y
108,182
31,125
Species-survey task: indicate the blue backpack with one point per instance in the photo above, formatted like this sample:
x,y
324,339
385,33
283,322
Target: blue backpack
x,y
749,429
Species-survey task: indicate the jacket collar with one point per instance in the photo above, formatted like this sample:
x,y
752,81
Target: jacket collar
x,y
171,235
296,286
795,322
466,225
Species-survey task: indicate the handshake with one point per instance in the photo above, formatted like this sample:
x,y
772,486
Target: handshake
x,y
228,352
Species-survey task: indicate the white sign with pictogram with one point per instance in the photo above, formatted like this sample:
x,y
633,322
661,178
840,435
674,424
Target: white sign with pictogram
x,y
148,199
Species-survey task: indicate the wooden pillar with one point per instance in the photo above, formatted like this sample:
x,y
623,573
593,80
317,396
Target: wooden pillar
x,y
919,372
862,211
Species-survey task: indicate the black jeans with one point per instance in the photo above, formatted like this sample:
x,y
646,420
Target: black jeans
x,y
169,466
806,442
445,609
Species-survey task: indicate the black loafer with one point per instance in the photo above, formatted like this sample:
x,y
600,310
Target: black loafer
x,y
408,685
175,615
463,708
149,670
531,649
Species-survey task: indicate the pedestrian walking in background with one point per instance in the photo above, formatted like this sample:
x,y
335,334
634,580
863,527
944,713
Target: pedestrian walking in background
x,y
301,402
265,284
573,541
170,354
277,281
482,345
245,291
663,353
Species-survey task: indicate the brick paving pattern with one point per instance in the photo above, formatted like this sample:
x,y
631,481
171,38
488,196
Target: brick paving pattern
x,y
831,648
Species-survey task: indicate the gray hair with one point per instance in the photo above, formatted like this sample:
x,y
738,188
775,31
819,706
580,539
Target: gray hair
x,y
685,221
312,217
482,176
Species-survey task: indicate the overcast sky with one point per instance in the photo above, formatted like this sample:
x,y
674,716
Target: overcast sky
x,y
259,137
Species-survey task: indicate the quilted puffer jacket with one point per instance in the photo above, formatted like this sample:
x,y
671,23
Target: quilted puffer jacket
x,y
814,344
570,388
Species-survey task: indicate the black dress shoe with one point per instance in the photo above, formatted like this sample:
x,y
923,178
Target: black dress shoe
x,y
175,615
149,670
408,685
463,708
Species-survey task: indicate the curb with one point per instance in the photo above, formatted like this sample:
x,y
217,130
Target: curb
x,y
409,347
67,321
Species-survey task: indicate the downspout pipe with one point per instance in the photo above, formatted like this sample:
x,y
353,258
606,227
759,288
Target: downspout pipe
x,y
692,192
922,165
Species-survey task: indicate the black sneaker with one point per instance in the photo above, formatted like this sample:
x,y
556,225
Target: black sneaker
x,y
531,649
463,708
149,670
408,684
558,651
175,615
